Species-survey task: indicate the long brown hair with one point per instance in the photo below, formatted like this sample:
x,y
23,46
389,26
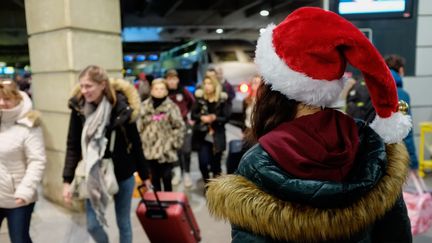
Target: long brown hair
x,y
270,110
99,75
252,93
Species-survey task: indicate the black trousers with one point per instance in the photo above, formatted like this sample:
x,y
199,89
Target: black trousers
x,y
184,153
207,158
161,171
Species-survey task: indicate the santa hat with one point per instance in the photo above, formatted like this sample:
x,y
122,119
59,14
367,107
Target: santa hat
x,y
305,56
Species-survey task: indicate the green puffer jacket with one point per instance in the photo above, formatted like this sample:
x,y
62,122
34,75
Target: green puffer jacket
x,y
266,204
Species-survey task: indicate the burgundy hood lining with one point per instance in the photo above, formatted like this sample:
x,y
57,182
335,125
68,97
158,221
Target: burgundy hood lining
x,y
320,146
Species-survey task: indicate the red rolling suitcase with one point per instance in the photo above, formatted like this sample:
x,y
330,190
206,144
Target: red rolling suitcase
x,y
167,217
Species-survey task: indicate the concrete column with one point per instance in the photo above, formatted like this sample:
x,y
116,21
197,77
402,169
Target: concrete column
x,y
64,37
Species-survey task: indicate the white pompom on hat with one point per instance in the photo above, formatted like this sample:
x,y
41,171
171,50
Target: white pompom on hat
x,y
305,56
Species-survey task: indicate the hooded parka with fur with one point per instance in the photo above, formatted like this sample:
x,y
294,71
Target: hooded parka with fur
x,y
22,154
127,154
222,110
264,203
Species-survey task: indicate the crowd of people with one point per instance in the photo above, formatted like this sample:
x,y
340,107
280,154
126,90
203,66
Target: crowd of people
x,y
149,127
308,170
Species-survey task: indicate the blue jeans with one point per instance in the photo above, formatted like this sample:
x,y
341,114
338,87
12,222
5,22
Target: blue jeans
x,y
18,222
122,201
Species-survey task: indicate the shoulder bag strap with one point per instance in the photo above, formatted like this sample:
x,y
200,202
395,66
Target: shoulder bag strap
x,y
112,141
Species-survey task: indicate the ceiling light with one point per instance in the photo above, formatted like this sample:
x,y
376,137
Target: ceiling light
x,y
219,31
264,13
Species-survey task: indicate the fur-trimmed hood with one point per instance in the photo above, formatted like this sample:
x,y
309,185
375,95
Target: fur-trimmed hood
x,y
22,153
31,119
240,201
120,86
22,114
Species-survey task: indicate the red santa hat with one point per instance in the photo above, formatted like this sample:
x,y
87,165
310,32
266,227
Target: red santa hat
x,y
305,56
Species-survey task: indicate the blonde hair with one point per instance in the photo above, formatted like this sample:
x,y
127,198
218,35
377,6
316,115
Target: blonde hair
x,y
159,81
99,75
9,89
217,88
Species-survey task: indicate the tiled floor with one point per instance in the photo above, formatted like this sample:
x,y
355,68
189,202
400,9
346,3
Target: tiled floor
x,y
53,224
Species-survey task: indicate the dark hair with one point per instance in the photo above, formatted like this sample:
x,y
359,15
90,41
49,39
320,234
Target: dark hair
x,y
270,110
251,96
395,62
171,73
211,69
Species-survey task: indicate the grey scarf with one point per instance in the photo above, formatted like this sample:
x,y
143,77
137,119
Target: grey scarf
x,y
93,145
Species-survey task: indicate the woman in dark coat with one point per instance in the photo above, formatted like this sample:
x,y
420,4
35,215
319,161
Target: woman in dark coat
x,y
316,175
210,113
121,107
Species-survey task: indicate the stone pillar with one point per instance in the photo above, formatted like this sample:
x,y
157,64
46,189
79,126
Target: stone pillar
x,y
65,36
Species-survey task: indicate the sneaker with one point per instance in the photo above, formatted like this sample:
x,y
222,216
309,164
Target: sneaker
x,y
177,176
176,180
187,180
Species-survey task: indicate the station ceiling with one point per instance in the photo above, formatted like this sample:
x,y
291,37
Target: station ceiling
x,y
175,21
188,19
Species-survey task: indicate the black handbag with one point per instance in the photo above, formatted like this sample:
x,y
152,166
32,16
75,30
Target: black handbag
x,y
202,127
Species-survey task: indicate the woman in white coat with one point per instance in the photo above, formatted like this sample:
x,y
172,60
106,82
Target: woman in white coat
x,y
22,160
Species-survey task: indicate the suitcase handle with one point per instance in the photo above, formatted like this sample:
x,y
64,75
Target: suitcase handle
x,y
160,212
156,195
152,211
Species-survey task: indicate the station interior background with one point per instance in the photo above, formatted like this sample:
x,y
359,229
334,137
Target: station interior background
x,y
53,39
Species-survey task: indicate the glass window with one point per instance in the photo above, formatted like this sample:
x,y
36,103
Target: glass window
x,y
225,56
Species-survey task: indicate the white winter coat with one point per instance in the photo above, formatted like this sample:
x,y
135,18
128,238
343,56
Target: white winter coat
x,y
22,154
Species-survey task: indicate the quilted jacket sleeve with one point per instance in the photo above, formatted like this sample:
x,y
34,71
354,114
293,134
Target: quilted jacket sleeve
x,y
34,150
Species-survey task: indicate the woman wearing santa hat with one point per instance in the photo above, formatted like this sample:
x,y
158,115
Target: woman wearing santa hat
x,y
315,174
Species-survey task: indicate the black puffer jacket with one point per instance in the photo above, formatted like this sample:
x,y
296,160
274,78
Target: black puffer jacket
x,y
127,155
266,204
